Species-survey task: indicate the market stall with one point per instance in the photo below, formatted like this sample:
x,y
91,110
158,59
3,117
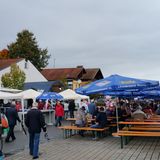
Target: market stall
x,y
70,94
49,113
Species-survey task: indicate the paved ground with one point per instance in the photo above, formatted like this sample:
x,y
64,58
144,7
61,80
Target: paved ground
x,y
83,148
21,141
79,148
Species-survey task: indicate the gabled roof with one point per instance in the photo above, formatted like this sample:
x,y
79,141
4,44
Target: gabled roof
x,y
72,73
92,74
4,63
61,73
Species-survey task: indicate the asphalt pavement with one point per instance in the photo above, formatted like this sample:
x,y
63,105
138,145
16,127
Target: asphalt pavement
x,y
22,140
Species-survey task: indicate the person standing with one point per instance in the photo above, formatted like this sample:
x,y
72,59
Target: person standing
x,y
34,121
18,106
59,113
12,116
40,105
71,108
92,108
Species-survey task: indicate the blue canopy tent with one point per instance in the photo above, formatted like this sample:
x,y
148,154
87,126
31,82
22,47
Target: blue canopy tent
x,y
123,94
153,94
116,83
50,95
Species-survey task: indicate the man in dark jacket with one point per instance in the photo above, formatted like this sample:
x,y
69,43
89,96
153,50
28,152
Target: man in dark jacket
x,y
12,116
34,121
71,108
101,121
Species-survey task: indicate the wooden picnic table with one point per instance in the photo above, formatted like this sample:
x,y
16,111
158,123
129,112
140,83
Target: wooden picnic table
x,y
152,120
145,129
91,119
139,123
112,118
72,120
155,116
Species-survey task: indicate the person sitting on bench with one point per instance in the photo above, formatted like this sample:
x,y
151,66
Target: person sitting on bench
x,y
81,119
138,115
101,120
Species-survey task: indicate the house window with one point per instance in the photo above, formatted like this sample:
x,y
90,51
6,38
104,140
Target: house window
x,y
26,65
70,84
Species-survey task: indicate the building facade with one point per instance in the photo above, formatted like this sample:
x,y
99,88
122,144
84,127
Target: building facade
x,y
31,73
73,77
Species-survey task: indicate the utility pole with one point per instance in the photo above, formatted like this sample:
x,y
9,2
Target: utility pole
x,y
54,61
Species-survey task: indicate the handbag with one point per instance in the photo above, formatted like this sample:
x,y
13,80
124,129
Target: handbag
x,y
4,121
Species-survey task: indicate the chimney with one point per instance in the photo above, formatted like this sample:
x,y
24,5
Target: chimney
x,y
81,66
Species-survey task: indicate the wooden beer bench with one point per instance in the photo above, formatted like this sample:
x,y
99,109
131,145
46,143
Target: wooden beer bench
x,y
135,134
67,130
138,129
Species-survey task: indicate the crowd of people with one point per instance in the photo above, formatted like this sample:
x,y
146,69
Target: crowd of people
x,y
133,110
34,121
98,112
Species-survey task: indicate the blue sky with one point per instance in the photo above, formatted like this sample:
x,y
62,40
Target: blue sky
x,y
119,36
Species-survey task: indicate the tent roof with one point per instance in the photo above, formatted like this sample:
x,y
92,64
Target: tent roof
x,y
29,94
70,94
7,95
11,90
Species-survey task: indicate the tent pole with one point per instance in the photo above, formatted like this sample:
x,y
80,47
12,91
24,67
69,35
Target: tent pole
x,y
22,103
117,115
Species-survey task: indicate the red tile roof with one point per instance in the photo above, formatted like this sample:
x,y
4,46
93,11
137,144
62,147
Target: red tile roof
x,y
4,63
61,73
92,74
72,73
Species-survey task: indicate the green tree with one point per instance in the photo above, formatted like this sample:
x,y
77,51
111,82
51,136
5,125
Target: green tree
x,y
14,79
65,83
26,47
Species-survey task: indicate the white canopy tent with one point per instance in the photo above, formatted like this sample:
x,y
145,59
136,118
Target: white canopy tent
x,y
70,94
10,90
29,94
7,95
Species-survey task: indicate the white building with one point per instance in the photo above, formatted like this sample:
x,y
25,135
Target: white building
x,y
32,74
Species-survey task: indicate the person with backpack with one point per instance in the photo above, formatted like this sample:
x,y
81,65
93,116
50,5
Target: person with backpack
x,y
12,116
3,130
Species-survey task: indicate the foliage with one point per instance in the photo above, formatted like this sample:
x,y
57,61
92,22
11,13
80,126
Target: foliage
x,y
26,47
14,79
65,83
4,54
